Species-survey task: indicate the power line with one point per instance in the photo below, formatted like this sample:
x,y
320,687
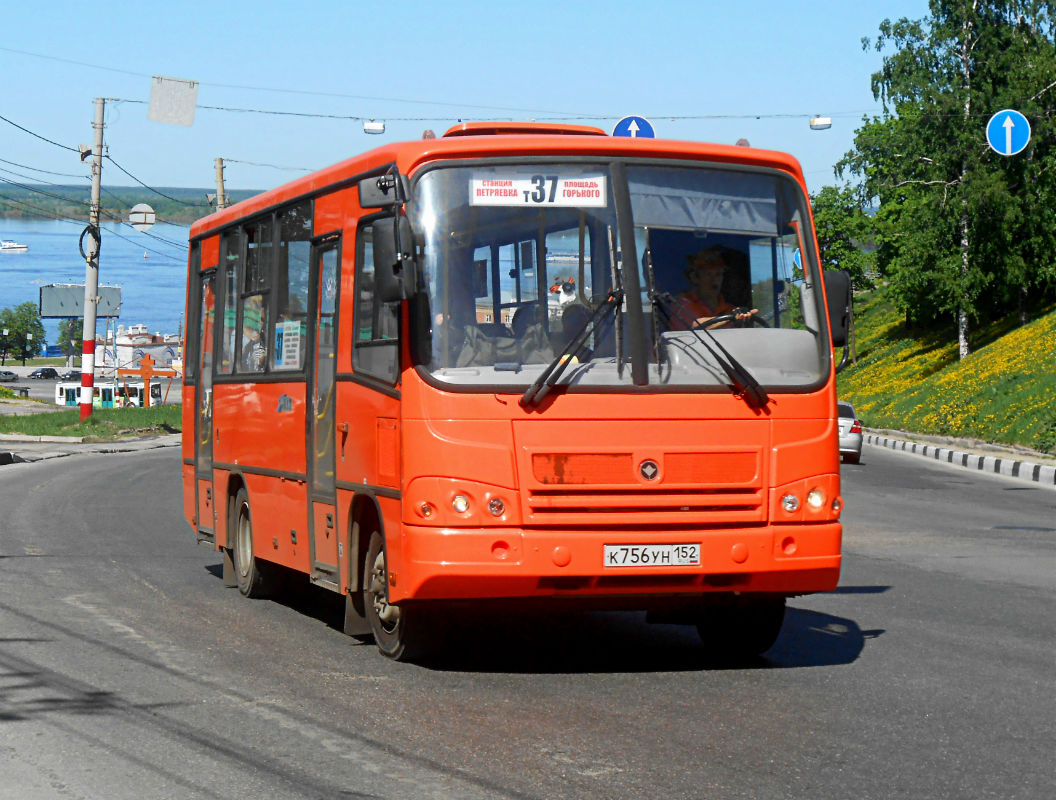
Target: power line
x,y
42,138
272,166
46,213
284,91
151,188
156,252
63,198
45,171
32,178
181,245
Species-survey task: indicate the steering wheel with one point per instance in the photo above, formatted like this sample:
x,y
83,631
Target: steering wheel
x,y
738,318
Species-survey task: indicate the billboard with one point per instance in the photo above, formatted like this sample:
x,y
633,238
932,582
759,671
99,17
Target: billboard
x,y
66,300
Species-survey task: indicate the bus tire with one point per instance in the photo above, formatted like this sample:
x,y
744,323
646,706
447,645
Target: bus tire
x,y
397,633
254,578
742,625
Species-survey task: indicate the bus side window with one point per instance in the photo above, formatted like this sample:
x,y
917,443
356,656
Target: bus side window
x,y
289,334
376,343
230,256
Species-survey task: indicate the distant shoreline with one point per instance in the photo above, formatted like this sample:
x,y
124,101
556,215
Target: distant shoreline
x,y
178,206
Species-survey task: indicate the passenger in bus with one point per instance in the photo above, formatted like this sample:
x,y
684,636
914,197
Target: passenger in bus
x,y
255,351
532,343
704,300
573,319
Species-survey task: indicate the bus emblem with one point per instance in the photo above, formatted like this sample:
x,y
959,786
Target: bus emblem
x,y
649,469
285,404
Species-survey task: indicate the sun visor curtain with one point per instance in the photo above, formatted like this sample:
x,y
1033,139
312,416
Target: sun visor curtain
x,y
696,199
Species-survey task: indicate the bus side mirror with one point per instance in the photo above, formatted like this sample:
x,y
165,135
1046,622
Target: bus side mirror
x,y
395,277
838,298
383,191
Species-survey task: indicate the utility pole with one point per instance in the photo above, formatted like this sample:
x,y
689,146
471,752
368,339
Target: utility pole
x,y
91,268
221,197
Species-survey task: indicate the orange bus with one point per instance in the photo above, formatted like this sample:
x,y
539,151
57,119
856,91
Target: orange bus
x,y
522,364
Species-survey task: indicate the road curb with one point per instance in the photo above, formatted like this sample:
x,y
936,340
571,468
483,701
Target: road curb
x,y
20,437
1009,467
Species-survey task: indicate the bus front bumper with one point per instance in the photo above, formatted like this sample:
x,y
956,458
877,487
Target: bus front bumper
x,y
447,563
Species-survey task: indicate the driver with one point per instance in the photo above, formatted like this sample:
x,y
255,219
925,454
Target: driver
x,y
703,300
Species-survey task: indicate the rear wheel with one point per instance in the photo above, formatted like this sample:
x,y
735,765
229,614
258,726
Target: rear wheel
x,y
742,625
397,630
254,578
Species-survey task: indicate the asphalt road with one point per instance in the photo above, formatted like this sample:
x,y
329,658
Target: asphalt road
x,y
128,670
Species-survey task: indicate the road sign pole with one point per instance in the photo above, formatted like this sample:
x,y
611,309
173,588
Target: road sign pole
x,y
91,267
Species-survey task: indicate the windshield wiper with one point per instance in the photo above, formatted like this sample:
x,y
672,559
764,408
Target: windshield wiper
x,y
549,376
744,383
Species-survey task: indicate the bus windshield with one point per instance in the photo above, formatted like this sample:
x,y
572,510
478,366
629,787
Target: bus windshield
x,y
517,258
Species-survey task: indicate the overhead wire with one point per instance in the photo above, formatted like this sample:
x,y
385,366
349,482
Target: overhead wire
x,y
151,188
63,198
272,166
42,138
45,171
46,213
113,218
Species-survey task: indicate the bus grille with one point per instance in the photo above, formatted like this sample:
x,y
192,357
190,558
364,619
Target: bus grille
x,y
690,488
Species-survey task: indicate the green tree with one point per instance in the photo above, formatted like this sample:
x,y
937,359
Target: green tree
x,y
844,232
960,230
70,335
25,332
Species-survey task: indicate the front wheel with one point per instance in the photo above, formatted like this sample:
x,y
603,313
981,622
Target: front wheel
x,y
398,630
254,578
742,625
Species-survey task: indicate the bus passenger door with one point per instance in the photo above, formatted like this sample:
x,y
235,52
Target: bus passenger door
x,y
322,521
203,418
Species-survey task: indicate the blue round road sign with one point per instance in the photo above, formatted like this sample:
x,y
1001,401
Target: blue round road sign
x,y
1007,132
634,127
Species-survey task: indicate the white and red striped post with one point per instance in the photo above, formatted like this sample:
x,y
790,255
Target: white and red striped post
x,y
91,269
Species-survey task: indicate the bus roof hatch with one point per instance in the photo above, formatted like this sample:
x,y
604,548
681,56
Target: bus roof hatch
x,y
521,128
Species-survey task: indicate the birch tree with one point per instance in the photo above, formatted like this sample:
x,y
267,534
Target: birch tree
x,y
958,225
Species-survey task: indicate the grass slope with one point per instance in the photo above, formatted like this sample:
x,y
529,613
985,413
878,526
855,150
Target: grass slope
x,y
104,425
1004,392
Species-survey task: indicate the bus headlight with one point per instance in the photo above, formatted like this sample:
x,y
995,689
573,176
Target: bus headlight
x,y
815,498
790,503
456,503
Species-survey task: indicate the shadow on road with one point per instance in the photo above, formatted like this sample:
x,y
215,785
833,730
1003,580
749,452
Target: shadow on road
x,y
471,639
609,642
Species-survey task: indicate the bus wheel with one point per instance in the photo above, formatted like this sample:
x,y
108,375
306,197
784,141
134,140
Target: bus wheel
x,y
252,576
395,628
742,625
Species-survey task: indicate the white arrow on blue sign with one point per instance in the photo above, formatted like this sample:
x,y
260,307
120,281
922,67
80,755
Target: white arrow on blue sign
x,y
1007,132
635,127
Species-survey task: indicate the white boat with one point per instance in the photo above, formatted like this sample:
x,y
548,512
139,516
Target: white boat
x,y
7,246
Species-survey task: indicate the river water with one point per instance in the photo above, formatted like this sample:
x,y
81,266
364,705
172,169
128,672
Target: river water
x,y
150,268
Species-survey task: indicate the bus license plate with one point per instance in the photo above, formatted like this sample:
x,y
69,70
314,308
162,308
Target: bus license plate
x,y
652,555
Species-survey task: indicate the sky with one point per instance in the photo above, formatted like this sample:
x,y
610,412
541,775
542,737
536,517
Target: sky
x,y
697,70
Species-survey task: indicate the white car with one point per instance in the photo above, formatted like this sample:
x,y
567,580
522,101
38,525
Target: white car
x,y
850,433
